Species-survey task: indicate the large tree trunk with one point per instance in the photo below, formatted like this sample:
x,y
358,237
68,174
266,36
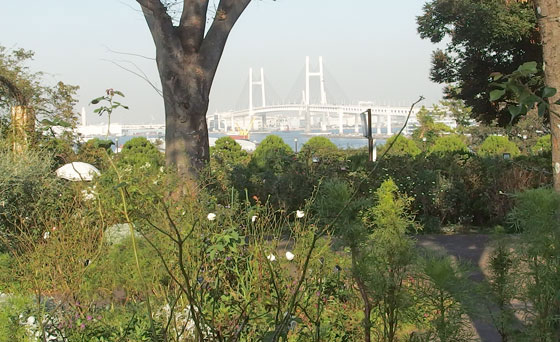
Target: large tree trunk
x,y
186,103
549,26
187,57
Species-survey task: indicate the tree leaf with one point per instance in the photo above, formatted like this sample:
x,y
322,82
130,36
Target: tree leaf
x,y
496,94
548,92
514,111
47,122
496,75
542,108
97,100
528,68
118,93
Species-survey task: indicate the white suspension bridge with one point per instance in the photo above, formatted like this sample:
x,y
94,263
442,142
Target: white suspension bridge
x,y
308,115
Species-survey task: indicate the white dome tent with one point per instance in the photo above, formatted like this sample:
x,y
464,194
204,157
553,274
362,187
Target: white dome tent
x,y
77,171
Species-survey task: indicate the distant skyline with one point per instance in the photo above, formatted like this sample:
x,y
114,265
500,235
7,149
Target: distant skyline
x,y
370,48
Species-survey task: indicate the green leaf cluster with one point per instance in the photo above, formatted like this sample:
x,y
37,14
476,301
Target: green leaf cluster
x,y
496,145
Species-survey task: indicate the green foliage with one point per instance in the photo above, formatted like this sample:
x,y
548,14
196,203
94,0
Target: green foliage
x,y
334,201
94,152
13,323
482,37
444,293
318,146
109,107
141,152
518,84
401,146
272,155
496,146
227,168
428,130
503,286
542,146
536,215
227,151
384,260
28,189
449,143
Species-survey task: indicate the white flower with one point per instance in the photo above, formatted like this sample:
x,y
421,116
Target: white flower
x,y
211,217
31,320
300,213
253,218
46,235
290,256
161,169
88,195
271,257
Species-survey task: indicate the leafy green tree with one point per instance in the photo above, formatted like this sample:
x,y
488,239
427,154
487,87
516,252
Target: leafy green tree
x,y
52,106
460,112
318,145
227,151
189,37
428,129
496,145
227,165
449,143
483,37
382,258
402,147
272,154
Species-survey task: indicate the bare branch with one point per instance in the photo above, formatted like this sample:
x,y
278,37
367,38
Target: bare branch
x,y
140,74
129,54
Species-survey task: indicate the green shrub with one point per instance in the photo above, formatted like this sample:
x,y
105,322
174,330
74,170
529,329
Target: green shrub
x,y
28,187
449,143
496,145
14,312
536,214
272,155
542,146
141,152
402,147
94,152
318,145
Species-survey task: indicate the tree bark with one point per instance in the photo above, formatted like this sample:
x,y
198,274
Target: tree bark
x,y
549,26
187,61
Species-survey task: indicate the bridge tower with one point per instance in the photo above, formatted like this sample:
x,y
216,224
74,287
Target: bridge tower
x,y
252,84
307,92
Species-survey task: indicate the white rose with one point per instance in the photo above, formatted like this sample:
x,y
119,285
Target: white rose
x,y
290,256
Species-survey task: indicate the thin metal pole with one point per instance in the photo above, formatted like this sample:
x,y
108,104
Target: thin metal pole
x,y
370,137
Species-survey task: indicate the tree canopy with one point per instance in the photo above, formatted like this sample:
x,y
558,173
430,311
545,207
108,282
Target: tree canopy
x,y
483,37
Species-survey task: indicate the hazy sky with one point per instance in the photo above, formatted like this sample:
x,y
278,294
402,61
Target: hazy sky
x,y
370,48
